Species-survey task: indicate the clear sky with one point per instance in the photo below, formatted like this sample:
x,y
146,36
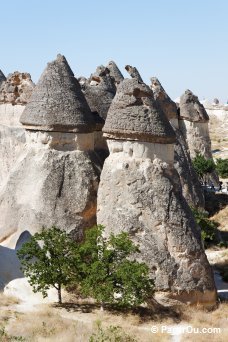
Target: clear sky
x,y
182,42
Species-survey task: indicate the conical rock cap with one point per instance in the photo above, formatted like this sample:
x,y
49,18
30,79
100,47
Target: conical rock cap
x,y
115,72
57,102
134,115
164,101
191,109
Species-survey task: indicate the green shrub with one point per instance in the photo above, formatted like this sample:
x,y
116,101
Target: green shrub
x,y
203,166
222,167
109,271
208,227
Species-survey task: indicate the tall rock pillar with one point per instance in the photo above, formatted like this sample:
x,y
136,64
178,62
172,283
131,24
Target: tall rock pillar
x,y
55,181
140,193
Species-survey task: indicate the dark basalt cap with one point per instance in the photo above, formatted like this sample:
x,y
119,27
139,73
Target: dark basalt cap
x,y
115,72
57,102
134,73
163,100
134,115
191,109
99,92
2,77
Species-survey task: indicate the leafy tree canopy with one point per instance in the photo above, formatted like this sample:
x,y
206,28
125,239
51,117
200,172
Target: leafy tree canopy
x,y
48,260
203,166
222,167
110,273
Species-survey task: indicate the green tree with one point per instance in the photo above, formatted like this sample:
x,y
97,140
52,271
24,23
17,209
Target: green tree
x,y
203,166
208,227
109,272
222,167
48,260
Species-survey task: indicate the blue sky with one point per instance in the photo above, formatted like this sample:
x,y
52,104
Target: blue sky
x,y
183,43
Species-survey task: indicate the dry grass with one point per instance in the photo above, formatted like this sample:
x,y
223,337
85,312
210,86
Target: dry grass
x,y
74,323
206,319
7,300
222,218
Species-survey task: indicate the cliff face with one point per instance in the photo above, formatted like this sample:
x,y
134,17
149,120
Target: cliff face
x,y
15,92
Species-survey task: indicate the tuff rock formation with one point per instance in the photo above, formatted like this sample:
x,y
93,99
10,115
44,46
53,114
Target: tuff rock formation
x,y
99,91
194,125
191,187
55,180
15,92
133,72
164,102
140,193
16,89
2,77
115,72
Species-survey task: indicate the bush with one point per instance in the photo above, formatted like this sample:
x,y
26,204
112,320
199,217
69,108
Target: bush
x,y
109,272
203,166
222,167
208,227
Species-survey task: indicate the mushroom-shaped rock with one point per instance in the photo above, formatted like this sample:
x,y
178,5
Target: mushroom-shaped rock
x,y
133,72
140,193
62,170
115,72
57,102
191,109
193,124
2,77
134,115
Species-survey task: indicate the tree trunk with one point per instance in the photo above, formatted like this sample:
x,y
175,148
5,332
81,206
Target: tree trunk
x,y
59,294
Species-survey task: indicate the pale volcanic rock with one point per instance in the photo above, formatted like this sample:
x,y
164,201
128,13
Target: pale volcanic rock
x,y
15,92
191,187
194,125
55,180
140,193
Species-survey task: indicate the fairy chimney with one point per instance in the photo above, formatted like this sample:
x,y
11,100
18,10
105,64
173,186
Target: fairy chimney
x,y
140,193
192,190
55,181
194,125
